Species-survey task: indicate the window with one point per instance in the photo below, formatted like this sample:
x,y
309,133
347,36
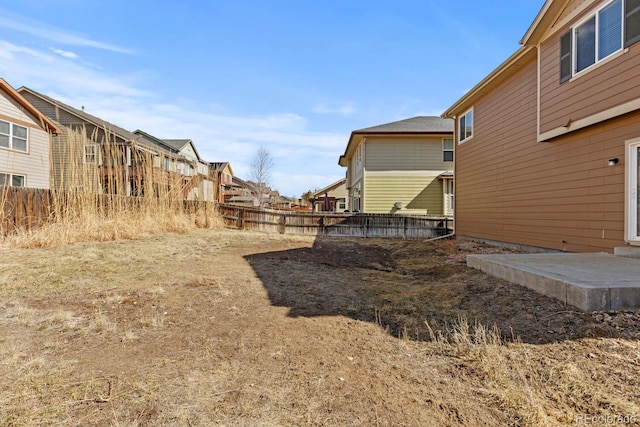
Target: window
x,y
450,193
90,153
602,34
447,150
342,204
13,136
465,126
11,180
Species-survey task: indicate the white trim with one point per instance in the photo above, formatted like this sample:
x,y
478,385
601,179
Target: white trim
x,y
610,113
574,45
473,120
631,192
10,176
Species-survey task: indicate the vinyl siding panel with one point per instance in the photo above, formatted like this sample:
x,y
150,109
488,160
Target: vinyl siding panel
x,y
405,153
421,194
608,84
34,164
558,195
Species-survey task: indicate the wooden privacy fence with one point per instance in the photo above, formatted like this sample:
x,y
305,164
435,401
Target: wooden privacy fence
x,y
28,208
344,225
24,208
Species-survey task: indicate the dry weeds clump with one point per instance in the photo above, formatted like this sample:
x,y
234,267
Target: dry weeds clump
x,y
529,387
87,201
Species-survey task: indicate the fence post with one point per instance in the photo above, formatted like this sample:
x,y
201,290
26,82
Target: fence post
x,y
404,228
366,223
283,223
241,219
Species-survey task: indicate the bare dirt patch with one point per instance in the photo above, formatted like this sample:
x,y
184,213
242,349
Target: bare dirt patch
x,y
232,328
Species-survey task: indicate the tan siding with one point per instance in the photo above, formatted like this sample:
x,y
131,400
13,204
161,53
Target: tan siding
x,y
511,188
605,86
418,194
405,153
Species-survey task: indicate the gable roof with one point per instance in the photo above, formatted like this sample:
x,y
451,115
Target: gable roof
x,y
548,15
330,187
221,166
420,125
179,144
46,123
122,133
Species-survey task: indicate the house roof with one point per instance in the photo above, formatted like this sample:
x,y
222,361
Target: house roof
x,y
179,144
548,15
122,133
46,123
154,140
539,28
330,187
220,166
420,125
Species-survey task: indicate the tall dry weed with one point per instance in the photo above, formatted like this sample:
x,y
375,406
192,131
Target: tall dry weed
x,y
529,388
105,191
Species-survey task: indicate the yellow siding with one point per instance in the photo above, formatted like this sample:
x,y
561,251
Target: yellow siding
x,y
405,153
419,194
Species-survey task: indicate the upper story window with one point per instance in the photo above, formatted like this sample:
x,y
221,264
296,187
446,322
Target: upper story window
x,y
12,180
465,126
13,136
607,31
90,153
447,150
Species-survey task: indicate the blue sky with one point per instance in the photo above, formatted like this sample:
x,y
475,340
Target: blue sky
x,y
294,76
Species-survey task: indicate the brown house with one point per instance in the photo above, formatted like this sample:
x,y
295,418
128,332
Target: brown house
x,y
548,145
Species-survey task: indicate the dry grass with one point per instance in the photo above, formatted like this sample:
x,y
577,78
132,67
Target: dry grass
x,y
82,212
180,329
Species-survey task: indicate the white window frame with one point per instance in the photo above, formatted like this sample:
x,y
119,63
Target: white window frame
x,y
11,137
462,136
450,190
445,149
574,44
88,155
10,176
632,176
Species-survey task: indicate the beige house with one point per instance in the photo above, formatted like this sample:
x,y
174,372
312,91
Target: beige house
x,y
25,139
404,167
332,198
95,155
548,144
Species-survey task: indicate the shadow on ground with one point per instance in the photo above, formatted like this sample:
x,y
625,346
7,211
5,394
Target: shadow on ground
x,y
413,288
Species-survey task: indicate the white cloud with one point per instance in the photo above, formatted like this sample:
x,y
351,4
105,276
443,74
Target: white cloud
x,y
45,31
218,135
65,53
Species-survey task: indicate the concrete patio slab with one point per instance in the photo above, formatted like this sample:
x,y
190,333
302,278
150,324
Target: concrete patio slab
x,y
589,281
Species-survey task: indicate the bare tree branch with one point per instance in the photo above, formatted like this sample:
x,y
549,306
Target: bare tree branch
x,y
261,173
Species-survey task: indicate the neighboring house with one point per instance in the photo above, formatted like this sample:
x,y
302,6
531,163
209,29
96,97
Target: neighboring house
x,y
95,155
398,167
25,139
548,144
223,177
332,198
187,162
